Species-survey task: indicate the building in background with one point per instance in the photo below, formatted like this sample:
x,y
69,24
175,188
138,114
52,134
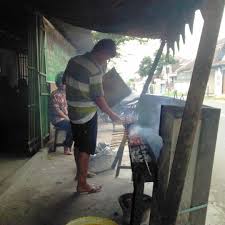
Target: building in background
x,y
216,83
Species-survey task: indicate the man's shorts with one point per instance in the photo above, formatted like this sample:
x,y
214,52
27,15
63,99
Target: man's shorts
x,y
85,135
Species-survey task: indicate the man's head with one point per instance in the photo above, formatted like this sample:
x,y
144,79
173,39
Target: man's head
x,y
104,50
59,81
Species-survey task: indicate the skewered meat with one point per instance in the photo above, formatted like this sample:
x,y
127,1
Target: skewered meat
x,y
135,140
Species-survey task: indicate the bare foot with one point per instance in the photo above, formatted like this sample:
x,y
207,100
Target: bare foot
x,y
89,175
88,189
67,152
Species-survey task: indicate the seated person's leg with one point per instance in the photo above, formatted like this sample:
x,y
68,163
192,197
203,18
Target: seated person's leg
x,y
69,137
65,125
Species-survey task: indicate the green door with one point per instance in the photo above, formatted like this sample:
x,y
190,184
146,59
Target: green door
x,y
38,87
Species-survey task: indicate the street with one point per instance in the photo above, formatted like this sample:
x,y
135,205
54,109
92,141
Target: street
x,y
216,209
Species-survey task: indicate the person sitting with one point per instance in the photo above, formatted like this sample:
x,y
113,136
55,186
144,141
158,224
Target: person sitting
x,y
59,114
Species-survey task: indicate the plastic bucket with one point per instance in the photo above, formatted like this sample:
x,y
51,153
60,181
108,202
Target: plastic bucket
x,y
91,220
125,202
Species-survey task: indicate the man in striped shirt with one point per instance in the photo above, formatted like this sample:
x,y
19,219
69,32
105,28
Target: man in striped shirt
x,y
84,93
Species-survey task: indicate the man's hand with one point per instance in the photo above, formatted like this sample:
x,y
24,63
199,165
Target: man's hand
x,y
102,104
115,118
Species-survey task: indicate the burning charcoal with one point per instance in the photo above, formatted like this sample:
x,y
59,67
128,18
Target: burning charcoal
x,y
146,135
135,140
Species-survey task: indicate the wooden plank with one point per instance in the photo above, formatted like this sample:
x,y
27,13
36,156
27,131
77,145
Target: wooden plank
x,y
120,158
125,167
169,130
186,198
117,143
197,183
159,192
119,137
214,12
117,134
116,139
119,154
204,165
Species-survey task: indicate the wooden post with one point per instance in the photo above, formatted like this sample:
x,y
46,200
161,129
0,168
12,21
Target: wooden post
x,y
153,68
119,154
212,15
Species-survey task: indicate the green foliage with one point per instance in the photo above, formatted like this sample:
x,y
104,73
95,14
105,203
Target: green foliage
x,y
119,39
145,66
147,61
130,83
164,60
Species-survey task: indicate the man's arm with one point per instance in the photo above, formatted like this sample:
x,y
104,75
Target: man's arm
x,y
97,95
103,105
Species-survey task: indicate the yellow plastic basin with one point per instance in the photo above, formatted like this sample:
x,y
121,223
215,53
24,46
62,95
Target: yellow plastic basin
x,y
91,220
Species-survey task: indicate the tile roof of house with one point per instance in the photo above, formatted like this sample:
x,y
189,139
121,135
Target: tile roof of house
x,y
219,58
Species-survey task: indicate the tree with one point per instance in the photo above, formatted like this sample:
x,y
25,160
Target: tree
x,y
131,83
146,64
164,61
119,39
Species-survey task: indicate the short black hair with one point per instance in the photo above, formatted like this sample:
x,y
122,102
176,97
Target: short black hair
x,y
106,45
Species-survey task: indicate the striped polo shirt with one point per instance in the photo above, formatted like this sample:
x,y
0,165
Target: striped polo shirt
x,y
83,79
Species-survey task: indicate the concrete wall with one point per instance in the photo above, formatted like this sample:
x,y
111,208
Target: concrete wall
x,y
211,84
182,87
77,40
183,82
218,82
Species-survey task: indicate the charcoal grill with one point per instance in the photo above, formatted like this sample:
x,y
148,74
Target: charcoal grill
x,y
143,165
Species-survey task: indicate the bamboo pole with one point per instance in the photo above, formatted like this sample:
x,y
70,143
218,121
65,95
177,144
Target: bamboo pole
x,y
212,14
153,68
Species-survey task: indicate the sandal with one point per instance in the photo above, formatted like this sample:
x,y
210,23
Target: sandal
x,y
94,189
67,152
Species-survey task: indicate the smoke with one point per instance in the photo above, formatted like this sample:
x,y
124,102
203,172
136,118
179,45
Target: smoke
x,y
149,136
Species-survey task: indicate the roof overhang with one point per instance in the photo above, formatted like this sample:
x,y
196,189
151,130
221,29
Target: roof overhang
x,y
164,19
